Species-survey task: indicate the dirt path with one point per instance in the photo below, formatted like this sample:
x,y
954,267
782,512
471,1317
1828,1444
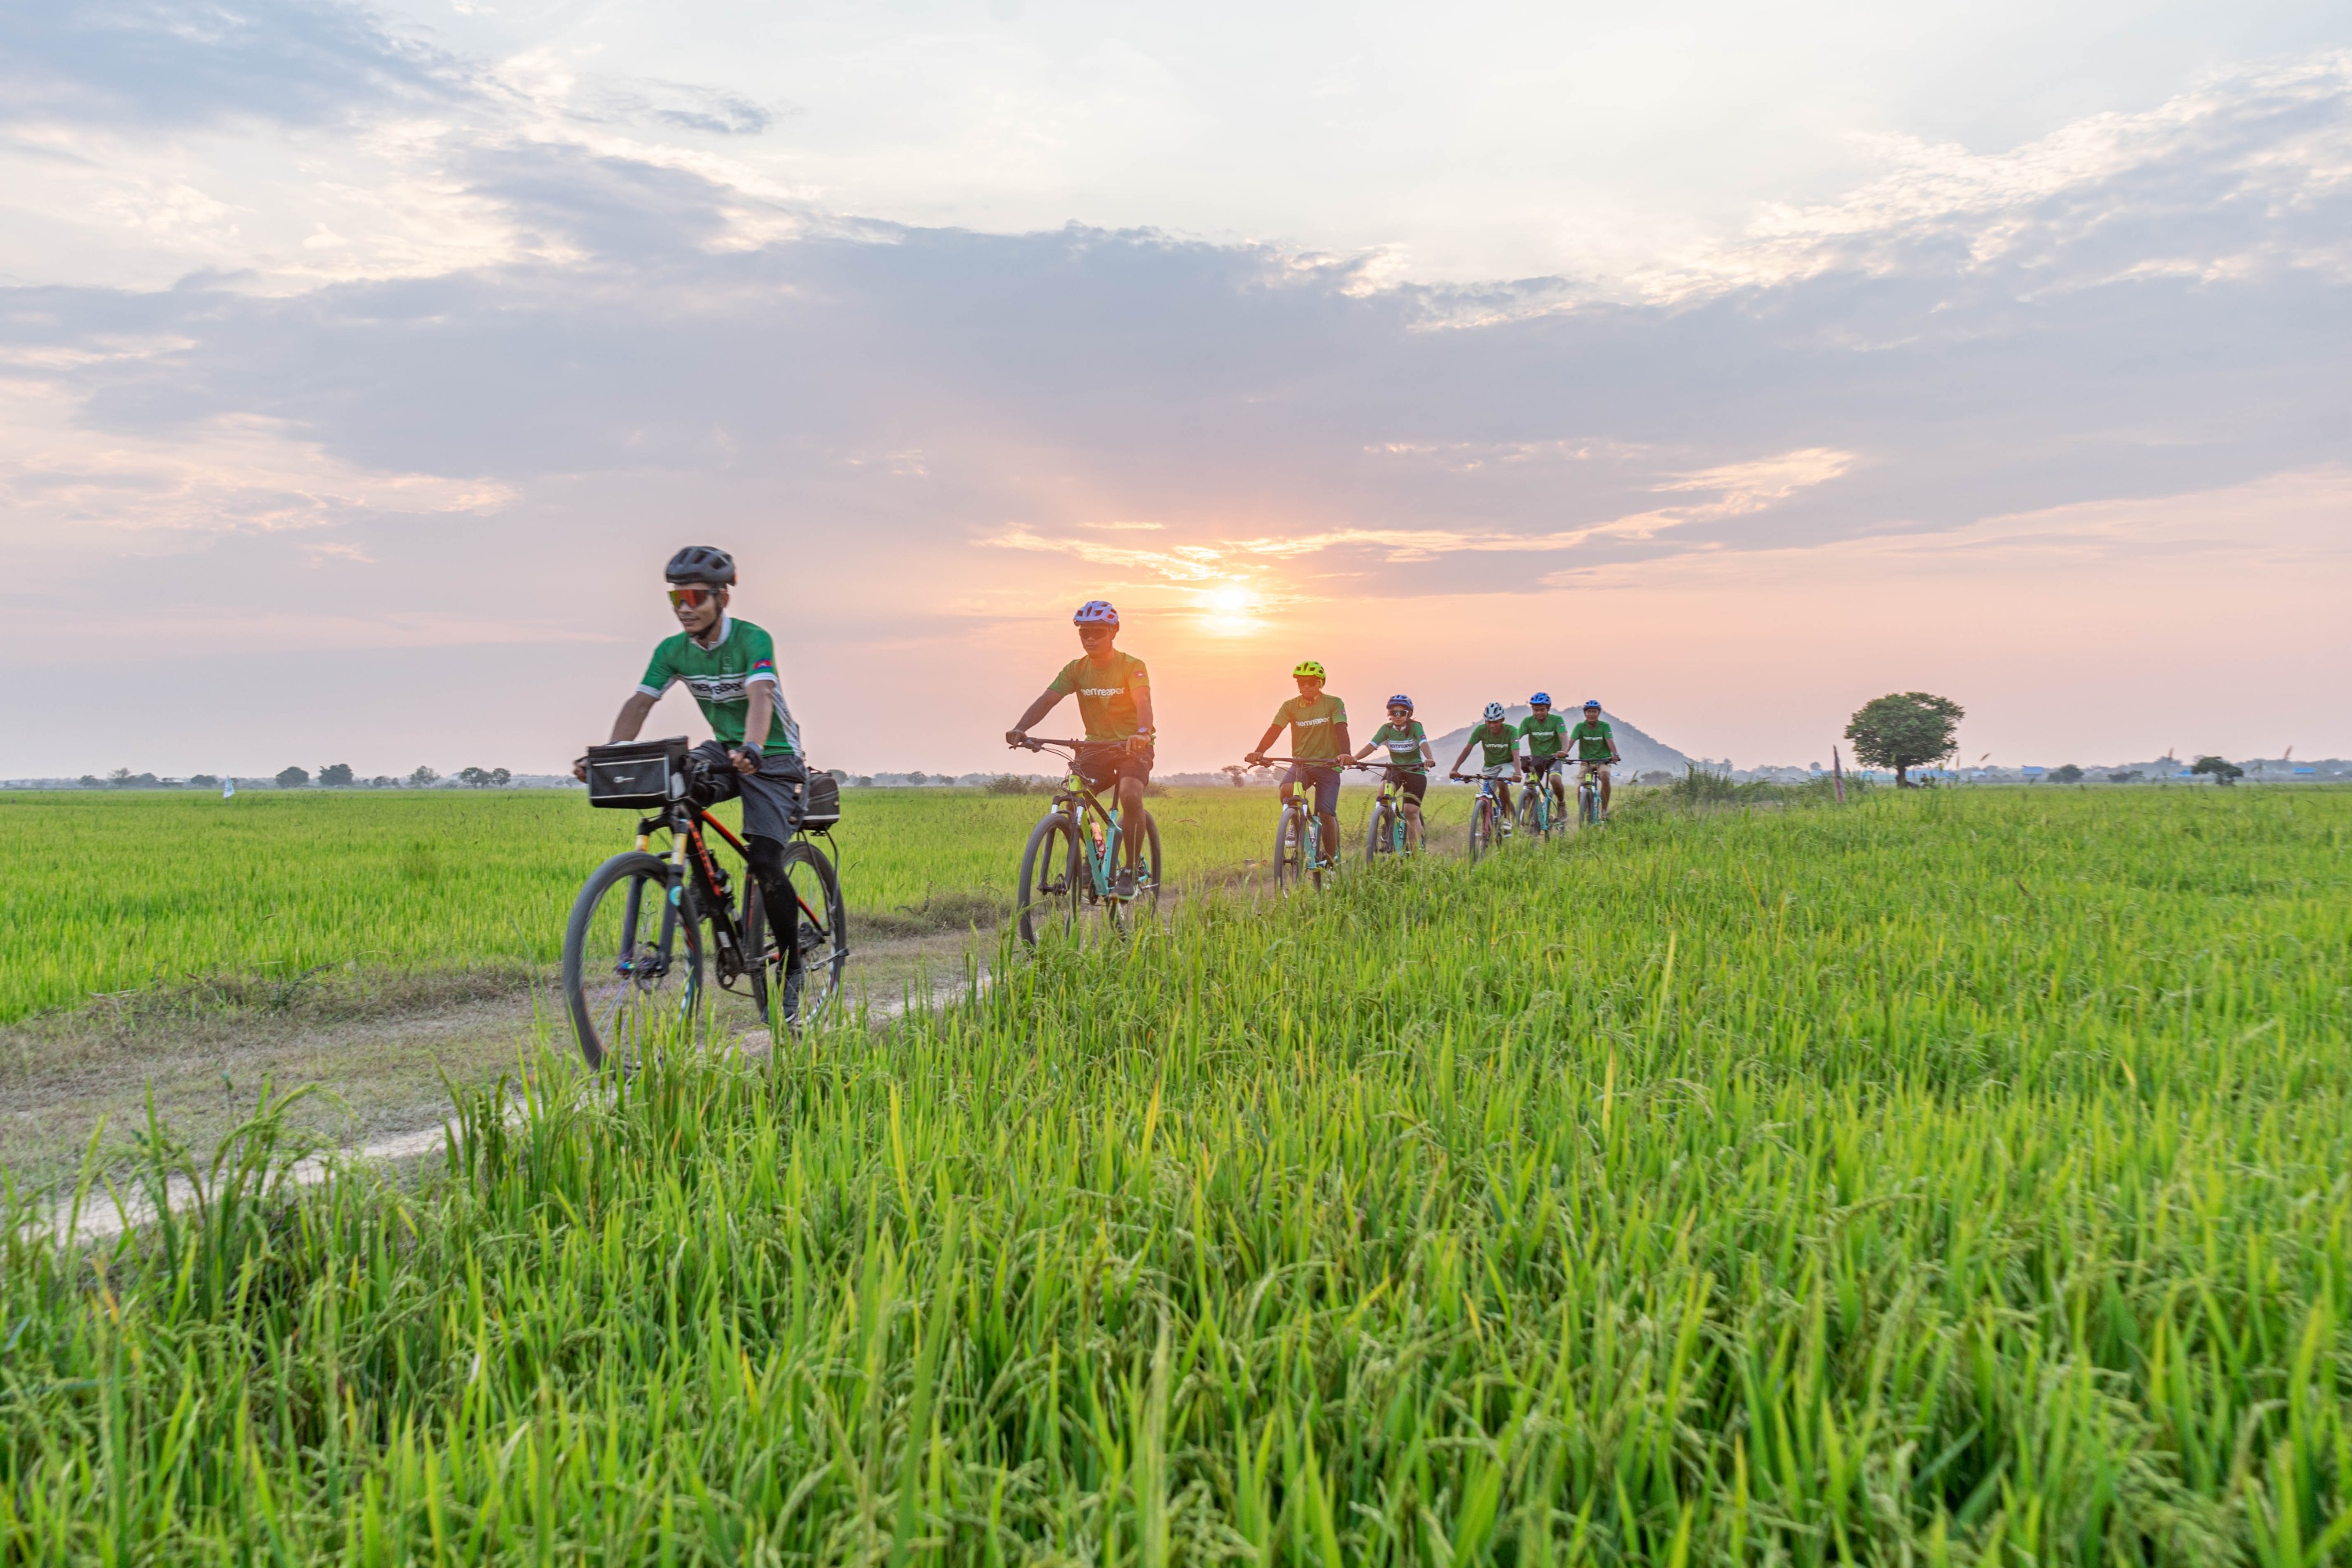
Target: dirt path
x,y
375,1050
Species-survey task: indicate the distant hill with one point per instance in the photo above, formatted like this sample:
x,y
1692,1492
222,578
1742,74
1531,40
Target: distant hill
x,y
1641,753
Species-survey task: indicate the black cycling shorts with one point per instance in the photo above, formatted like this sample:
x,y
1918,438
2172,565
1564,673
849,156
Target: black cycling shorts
x,y
1104,765
1321,778
773,798
1413,781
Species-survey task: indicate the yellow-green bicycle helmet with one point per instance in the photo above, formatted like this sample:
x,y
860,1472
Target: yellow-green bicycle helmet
x,y
1309,668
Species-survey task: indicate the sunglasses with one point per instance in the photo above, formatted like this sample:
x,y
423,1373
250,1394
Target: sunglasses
x,y
692,598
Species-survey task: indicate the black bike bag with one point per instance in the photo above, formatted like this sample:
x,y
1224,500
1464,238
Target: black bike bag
x,y
823,802
637,775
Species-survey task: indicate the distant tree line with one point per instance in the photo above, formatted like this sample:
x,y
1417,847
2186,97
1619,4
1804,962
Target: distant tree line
x,y
334,775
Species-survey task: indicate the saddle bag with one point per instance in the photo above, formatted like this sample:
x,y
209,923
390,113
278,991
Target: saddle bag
x,y
823,802
637,775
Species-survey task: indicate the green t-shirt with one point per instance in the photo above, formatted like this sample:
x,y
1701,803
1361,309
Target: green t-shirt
x,y
1105,693
721,676
1544,736
1502,742
1403,741
1593,740
1314,726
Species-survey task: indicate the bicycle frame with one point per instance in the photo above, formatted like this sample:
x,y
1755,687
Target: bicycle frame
x,y
1547,791
1096,826
1310,836
689,851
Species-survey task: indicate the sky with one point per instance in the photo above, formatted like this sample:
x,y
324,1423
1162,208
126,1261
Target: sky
x,y
359,367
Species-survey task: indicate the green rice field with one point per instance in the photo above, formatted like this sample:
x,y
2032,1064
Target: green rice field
x,y
1952,1178
108,893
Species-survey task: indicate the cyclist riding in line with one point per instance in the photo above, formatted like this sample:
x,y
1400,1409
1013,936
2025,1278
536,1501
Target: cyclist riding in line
x,y
1501,750
1546,733
1410,761
1114,695
731,667
1596,748
1318,738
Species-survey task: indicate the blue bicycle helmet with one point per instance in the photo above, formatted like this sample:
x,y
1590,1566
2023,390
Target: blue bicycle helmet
x,y
1592,702
1401,701
1095,613
1540,700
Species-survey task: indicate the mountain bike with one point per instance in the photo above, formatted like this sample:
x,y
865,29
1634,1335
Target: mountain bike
x,y
1488,825
1067,869
1540,804
1299,852
1588,797
634,949
1385,834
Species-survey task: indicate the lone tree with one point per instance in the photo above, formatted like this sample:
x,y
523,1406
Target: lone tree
x,y
335,776
2224,770
292,778
2070,773
1904,730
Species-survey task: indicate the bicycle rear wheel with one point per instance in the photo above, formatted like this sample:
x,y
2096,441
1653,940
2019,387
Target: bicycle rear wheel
x,y
1146,901
801,971
624,984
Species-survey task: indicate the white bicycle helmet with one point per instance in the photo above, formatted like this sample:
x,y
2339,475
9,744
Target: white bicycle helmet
x,y
1095,613
1494,712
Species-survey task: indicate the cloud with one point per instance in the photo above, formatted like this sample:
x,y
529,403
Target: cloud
x,y
69,493
516,325
178,63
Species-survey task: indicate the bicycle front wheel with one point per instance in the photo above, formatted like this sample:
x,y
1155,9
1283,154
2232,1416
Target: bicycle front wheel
x,y
631,963
1382,837
1484,820
1289,849
1057,884
801,963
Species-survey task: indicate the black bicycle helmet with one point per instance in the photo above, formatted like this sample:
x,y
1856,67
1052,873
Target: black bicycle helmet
x,y
701,563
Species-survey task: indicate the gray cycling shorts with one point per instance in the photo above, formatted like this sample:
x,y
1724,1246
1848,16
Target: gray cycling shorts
x,y
773,798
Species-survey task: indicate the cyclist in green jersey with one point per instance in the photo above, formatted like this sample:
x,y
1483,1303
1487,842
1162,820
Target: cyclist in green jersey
x,y
1114,693
1596,748
754,751
1318,740
1546,733
1410,759
1501,747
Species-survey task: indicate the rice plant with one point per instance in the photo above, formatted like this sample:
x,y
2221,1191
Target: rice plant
x,y
1957,1179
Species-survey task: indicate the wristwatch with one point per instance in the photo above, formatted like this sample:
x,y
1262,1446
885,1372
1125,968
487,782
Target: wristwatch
x,y
747,749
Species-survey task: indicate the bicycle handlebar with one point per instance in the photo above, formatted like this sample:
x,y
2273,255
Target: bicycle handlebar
x,y
1320,761
1038,744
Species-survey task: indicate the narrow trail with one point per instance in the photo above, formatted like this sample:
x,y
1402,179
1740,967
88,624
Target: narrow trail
x,y
108,1211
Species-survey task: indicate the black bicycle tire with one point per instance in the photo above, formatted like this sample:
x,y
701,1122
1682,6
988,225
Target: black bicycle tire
x,y
1146,897
1483,812
1286,878
1053,825
1380,835
799,852
656,870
